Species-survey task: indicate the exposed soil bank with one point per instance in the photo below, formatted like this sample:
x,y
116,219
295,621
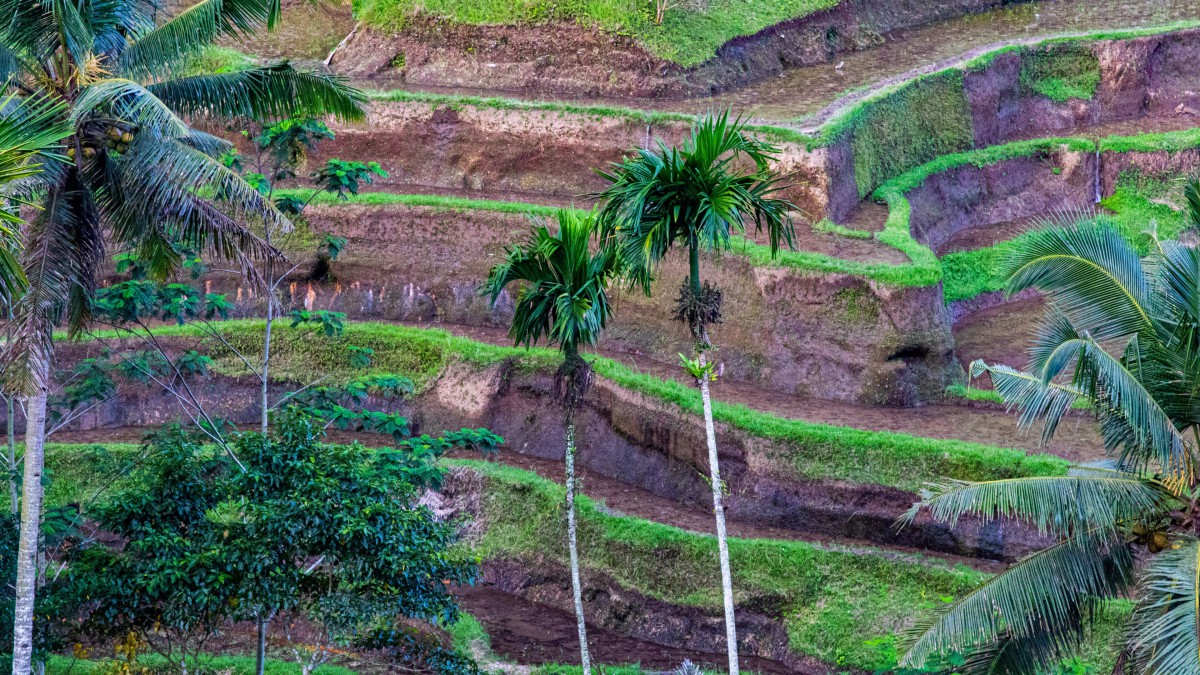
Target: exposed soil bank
x,y
823,335
567,59
637,440
966,200
527,632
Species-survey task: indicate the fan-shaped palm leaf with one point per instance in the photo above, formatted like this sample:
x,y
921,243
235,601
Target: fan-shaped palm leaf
x,y
1041,602
1164,631
1093,500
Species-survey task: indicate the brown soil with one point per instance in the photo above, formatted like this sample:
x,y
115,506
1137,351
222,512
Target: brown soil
x,y
307,32
1000,334
1077,439
988,235
531,633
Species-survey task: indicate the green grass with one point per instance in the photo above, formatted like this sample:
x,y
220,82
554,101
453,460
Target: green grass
x,y
439,202
968,274
1061,71
808,450
1170,141
926,119
832,602
829,227
972,394
835,605
688,36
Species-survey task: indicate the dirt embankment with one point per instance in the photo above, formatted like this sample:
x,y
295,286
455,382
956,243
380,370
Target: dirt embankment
x,y
527,151
830,336
634,439
969,199
567,59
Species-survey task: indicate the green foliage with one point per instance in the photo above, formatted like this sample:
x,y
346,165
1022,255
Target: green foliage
x,y
1102,293
1061,71
1170,141
342,178
908,127
206,543
693,196
688,36
831,227
563,294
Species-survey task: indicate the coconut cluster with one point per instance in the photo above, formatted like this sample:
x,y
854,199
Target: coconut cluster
x,y
113,138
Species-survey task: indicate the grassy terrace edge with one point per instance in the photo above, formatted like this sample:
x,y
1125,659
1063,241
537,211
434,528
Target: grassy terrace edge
x,y
806,450
924,268
840,606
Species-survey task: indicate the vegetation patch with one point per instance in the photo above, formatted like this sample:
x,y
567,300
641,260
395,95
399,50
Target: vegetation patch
x,y
814,451
1061,71
689,35
912,125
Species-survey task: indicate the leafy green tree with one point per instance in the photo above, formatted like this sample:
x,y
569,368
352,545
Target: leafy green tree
x,y
698,196
138,176
563,298
1122,333
333,534
280,150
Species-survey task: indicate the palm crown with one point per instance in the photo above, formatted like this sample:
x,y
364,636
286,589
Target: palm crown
x,y
564,295
1123,333
698,194
138,175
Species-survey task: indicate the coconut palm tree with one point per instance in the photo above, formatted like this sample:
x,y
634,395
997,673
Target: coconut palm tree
x,y
138,176
699,196
1121,332
28,129
563,298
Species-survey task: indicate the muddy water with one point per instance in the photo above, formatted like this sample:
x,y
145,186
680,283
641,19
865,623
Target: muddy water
x,y
800,92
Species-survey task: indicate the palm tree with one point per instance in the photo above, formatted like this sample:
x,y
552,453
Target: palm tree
x,y
698,196
27,129
1121,332
138,175
564,298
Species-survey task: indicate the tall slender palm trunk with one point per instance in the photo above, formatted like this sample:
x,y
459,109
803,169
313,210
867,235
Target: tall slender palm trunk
x,y
14,491
700,333
714,477
573,539
31,513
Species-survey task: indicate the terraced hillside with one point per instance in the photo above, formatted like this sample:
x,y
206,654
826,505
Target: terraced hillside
x,y
843,389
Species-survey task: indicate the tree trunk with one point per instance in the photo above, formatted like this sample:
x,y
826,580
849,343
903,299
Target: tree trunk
x,y
572,544
714,474
266,363
260,655
700,334
31,513
14,491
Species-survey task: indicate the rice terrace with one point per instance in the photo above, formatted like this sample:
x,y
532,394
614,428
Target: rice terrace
x,y
622,337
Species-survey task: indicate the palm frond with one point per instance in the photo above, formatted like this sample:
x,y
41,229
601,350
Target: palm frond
x,y
129,102
1191,193
1163,635
1090,500
262,94
696,195
162,191
1036,399
164,48
563,296
1043,601
1091,273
